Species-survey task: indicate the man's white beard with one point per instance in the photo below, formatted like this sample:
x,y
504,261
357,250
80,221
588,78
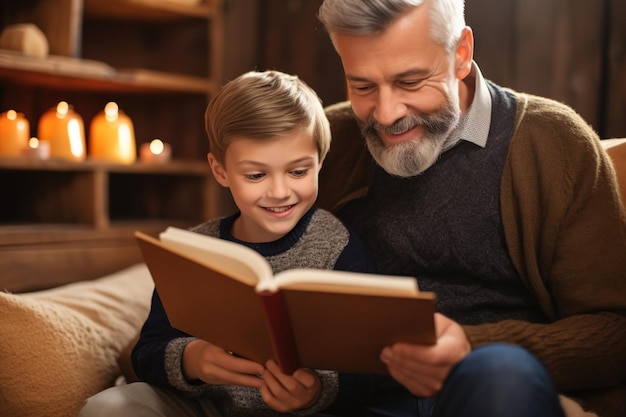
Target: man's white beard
x,y
406,159
414,156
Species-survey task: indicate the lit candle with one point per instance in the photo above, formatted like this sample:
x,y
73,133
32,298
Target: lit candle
x,y
36,149
112,136
155,152
64,129
14,133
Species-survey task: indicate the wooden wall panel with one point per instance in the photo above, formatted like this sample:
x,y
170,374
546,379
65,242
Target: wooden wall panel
x,y
295,42
243,39
494,38
552,48
615,110
559,52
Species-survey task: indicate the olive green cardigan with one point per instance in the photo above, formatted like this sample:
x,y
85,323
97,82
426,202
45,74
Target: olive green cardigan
x,y
565,228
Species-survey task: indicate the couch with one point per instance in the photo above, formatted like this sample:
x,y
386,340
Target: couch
x,y
60,345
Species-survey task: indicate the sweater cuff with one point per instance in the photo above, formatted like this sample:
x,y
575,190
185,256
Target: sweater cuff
x,y
174,366
328,393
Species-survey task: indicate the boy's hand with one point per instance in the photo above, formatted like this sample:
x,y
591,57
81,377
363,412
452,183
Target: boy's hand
x,y
286,393
213,365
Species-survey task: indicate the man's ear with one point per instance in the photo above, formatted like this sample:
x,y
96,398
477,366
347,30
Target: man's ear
x,y
464,53
218,170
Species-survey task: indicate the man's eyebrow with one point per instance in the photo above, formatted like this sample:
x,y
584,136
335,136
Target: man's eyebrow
x,y
357,79
414,72
419,72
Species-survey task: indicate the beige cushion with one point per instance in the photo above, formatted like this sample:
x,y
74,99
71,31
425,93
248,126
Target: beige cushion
x,y
616,148
60,346
573,409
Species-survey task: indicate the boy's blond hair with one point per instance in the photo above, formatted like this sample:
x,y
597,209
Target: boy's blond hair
x,y
263,105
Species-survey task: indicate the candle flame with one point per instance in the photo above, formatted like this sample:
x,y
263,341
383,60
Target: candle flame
x,y
62,109
75,135
156,147
33,143
111,111
126,145
11,115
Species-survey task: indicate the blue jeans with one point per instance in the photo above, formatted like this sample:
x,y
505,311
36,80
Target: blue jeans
x,y
494,380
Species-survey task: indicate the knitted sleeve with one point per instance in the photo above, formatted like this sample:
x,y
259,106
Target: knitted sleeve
x,y
566,231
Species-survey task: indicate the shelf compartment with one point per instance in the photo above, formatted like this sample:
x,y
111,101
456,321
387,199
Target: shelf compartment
x,y
135,197
127,43
47,196
119,46
99,195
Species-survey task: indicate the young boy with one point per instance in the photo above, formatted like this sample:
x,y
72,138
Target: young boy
x,y
268,137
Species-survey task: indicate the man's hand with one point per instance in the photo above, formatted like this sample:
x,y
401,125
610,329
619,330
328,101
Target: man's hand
x,y
213,365
286,393
422,369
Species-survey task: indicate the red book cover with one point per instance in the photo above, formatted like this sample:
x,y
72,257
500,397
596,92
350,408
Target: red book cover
x,y
280,329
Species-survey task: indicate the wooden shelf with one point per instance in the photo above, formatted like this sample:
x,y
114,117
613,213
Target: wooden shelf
x,y
175,167
65,72
150,9
160,60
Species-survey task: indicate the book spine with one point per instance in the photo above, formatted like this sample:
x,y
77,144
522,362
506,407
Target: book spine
x,y
280,330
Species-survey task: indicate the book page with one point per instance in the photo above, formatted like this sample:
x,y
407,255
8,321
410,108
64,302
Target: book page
x,y
346,282
235,260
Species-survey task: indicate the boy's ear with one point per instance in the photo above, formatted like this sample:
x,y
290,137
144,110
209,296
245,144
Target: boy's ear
x,y
218,170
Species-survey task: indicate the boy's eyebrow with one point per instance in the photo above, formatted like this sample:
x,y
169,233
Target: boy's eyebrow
x,y
257,163
247,161
303,159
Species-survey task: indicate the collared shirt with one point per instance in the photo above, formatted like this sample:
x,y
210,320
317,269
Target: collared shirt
x,y
475,121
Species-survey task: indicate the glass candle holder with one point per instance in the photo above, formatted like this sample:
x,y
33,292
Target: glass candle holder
x,y
155,152
14,133
36,149
64,129
112,136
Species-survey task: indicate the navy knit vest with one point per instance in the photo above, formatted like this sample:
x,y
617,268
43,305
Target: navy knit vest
x,y
444,227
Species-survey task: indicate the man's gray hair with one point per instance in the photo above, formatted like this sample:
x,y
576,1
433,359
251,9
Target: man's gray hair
x,y
367,17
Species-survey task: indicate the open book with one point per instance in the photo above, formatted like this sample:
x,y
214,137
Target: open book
x,y
225,293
